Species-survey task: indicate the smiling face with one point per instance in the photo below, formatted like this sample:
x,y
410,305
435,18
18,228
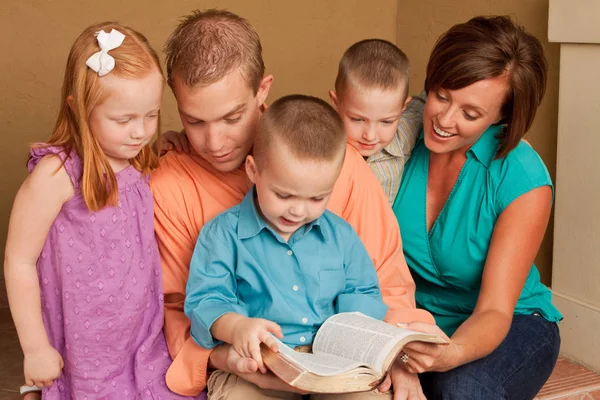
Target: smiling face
x,y
221,119
292,192
453,120
127,119
370,116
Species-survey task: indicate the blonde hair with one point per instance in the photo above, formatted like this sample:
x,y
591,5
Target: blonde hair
x,y
307,126
207,45
373,63
81,92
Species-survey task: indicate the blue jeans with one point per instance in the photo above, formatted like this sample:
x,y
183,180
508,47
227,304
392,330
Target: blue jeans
x,y
517,369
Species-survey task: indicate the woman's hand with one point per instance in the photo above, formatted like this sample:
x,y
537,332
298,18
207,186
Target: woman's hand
x,y
423,357
406,386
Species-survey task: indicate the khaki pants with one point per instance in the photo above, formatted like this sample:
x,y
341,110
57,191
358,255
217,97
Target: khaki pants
x,y
225,386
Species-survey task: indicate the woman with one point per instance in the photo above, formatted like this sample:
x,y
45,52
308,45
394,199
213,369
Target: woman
x,y
473,208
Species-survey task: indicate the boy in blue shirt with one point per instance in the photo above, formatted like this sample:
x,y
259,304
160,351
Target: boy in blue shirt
x,y
280,263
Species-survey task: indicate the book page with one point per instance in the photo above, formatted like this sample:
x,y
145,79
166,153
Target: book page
x,y
320,364
358,337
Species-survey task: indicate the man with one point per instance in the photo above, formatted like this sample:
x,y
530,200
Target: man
x,y
216,71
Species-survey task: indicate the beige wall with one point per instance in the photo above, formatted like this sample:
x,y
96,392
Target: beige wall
x,y
421,23
302,43
575,277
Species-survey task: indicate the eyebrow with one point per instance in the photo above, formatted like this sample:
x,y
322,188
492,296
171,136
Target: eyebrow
x,y
287,192
353,114
235,110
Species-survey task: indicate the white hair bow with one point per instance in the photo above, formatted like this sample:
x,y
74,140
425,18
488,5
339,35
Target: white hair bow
x,y
102,62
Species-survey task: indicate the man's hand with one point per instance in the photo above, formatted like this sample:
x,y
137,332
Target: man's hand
x,y
42,366
247,369
406,386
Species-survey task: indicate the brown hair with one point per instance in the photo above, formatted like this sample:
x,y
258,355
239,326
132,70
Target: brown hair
x,y
373,63
309,128
134,59
489,47
207,45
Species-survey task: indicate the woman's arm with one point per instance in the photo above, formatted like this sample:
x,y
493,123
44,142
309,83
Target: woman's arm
x,y
36,205
516,239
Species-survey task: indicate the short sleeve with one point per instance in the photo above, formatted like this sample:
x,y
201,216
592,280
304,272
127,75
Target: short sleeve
x,y
72,164
521,171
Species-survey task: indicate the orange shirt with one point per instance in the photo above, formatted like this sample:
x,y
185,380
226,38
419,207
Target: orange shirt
x,y
188,192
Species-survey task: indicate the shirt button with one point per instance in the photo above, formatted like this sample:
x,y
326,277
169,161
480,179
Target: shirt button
x,y
295,287
304,320
289,253
302,339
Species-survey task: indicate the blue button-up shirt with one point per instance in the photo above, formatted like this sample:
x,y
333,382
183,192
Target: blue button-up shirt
x,y
241,265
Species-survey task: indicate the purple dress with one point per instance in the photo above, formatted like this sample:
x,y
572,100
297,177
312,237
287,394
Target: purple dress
x,y
101,291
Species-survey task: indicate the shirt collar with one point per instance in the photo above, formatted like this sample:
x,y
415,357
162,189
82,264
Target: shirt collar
x,y
251,223
487,145
395,147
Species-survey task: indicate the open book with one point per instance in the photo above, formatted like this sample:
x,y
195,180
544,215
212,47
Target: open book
x,y
351,353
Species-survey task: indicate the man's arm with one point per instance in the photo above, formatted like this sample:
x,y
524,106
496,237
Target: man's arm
x,y
360,200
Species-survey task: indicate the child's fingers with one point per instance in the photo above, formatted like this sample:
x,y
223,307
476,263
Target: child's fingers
x,y
274,329
29,382
177,144
48,383
270,342
185,144
165,148
246,350
255,351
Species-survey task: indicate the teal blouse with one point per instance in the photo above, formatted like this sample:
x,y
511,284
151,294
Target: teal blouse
x,y
447,264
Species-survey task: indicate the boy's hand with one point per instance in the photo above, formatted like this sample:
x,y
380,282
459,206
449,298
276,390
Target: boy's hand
x,y
171,140
42,366
249,333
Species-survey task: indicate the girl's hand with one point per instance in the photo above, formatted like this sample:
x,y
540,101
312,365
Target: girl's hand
x,y
423,357
42,366
171,140
249,333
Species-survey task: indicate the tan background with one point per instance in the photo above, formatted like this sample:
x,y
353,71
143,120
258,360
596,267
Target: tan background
x,y
302,41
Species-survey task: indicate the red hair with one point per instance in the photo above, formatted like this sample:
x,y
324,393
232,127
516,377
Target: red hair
x,y
81,92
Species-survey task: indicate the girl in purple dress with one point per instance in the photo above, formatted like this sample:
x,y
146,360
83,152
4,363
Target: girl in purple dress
x,y
82,267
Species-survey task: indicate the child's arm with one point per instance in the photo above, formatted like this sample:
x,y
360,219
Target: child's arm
x,y
211,301
411,123
36,205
